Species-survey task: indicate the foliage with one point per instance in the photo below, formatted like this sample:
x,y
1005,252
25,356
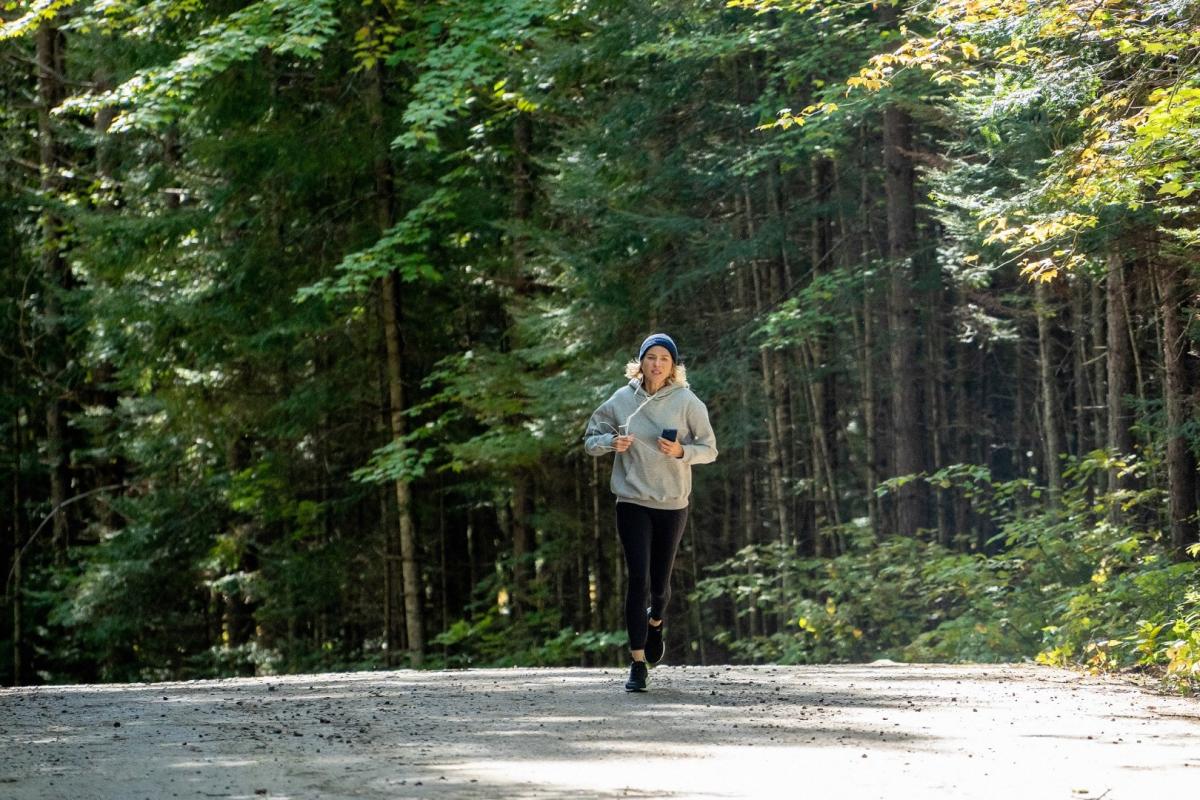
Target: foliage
x,y
872,599
491,635
1174,642
1115,72
1065,587
121,622
157,96
198,228
539,639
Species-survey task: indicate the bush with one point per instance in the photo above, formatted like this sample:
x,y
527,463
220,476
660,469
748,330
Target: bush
x,y
1060,584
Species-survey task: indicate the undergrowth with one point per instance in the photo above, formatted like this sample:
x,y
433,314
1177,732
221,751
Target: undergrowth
x,y
1088,581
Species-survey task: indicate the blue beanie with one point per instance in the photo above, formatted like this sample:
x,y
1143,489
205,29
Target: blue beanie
x,y
659,339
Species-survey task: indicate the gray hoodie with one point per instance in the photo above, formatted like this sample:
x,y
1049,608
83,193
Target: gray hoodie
x,y
643,474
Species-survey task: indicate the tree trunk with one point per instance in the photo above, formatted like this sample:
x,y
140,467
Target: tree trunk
x,y
749,514
391,638
1099,372
521,511
1081,384
824,419
1178,388
939,425
870,410
409,568
599,575
1025,413
56,280
393,588
522,492
769,385
912,504
112,469
443,566
731,620
697,612
823,379
772,385
1052,440
237,613
392,320
1120,376
17,530
581,618
775,451
783,430
856,245
968,416
18,634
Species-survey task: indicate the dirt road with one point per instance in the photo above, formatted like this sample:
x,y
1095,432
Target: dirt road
x,y
877,731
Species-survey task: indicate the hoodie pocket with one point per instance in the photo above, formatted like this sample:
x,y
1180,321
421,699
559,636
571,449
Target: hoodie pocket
x,y
674,477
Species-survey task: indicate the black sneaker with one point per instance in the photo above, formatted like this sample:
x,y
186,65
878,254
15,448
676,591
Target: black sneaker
x,y
655,646
637,677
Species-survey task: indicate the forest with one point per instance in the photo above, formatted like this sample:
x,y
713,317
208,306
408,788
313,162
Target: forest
x,y
310,301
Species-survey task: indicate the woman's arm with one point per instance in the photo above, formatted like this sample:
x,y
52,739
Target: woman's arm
x,y
702,449
601,433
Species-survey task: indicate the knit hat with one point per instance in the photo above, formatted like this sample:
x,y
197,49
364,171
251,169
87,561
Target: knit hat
x,y
662,340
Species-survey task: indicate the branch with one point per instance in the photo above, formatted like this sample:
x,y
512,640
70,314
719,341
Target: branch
x,y
53,513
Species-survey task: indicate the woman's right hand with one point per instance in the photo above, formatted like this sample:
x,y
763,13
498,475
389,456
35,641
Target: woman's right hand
x,y
623,443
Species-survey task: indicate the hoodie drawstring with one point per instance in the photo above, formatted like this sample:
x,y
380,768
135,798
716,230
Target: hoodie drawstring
x,y
629,419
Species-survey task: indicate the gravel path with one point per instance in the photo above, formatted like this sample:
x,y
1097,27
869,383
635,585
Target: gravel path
x,y
866,731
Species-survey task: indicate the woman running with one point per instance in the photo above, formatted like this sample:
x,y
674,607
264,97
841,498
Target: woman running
x,y
658,428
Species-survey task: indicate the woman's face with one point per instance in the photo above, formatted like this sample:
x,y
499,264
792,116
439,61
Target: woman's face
x,y
657,364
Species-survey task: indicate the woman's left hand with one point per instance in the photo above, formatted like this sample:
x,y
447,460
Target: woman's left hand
x,y
673,449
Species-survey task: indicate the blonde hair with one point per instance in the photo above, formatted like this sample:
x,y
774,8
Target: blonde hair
x,y
633,371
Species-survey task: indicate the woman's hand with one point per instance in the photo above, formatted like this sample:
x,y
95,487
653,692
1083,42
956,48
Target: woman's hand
x,y
622,443
673,449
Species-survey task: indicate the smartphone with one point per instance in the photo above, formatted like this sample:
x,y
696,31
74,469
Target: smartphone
x,y
669,434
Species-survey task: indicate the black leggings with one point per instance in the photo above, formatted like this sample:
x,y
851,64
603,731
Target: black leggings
x,y
650,537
